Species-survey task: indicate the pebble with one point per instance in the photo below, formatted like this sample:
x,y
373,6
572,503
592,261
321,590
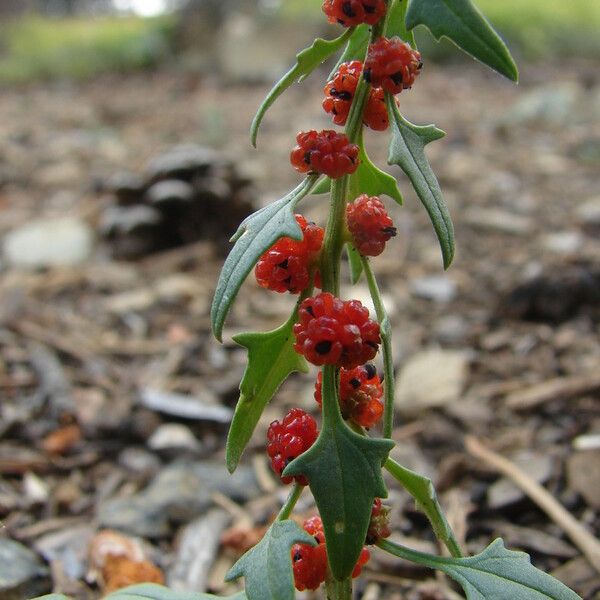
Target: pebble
x,y
49,243
438,288
198,408
431,378
563,242
583,475
588,212
498,221
179,493
504,492
173,436
22,574
198,546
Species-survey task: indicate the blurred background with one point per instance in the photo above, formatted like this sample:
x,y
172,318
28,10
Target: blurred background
x,y
125,166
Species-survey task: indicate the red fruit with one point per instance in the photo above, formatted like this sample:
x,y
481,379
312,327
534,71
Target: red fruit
x,y
335,332
326,152
354,12
375,115
363,559
392,65
339,91
287,265
360,394
290,438
369,225
379,526
310,562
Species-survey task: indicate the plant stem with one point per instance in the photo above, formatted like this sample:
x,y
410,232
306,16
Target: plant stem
x,y
386,348
288,507
338,590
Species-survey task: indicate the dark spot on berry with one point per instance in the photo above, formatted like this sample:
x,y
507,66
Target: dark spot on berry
x,y
397,78
288,460
391,231
370,539
297,556
333,92
345,96
310,311
372,344
323,347
341,21
368,8
334,111
347,9
355,383
288,280
307,157
370,370
367,75
283,264
420,65
316,539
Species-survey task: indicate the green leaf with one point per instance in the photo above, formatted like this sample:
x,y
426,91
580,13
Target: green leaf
x,y
422,490
150,591
355,262
397,23
494,574
323,186
355,49
306,61
370,180
267,567
407,150
344,474
271,359
256,234
462,23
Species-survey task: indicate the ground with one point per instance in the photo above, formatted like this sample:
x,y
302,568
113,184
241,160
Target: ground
x,y
82,348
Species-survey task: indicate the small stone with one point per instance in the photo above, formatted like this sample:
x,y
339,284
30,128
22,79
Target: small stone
x,y
438,288
172,436
451,329
69,547
552,104
125,220
583,475
562,242
35,489
504,492
431,378
127,187
203,407
139,460
49,243
170,193
22,574
589,212
181,162
498,221
198,545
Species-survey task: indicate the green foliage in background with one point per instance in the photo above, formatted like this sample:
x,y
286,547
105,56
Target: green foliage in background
x,y
537,28
35,48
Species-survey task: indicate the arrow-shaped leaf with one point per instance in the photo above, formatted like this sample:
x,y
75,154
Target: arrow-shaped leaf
x,y
150,591
306,61
422,490
494,574
271,359
407,150
267,567
344,474
462,23
255,235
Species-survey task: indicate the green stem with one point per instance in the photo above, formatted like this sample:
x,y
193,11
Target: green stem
x,y
288,507
338,590
421,558
422,490
386,347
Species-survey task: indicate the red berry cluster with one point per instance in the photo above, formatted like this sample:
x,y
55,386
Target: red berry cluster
x,y
369,224
339,93
326,152
354,12
287,265
290,438
360,394
310,562
335,332
379,526
392,65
